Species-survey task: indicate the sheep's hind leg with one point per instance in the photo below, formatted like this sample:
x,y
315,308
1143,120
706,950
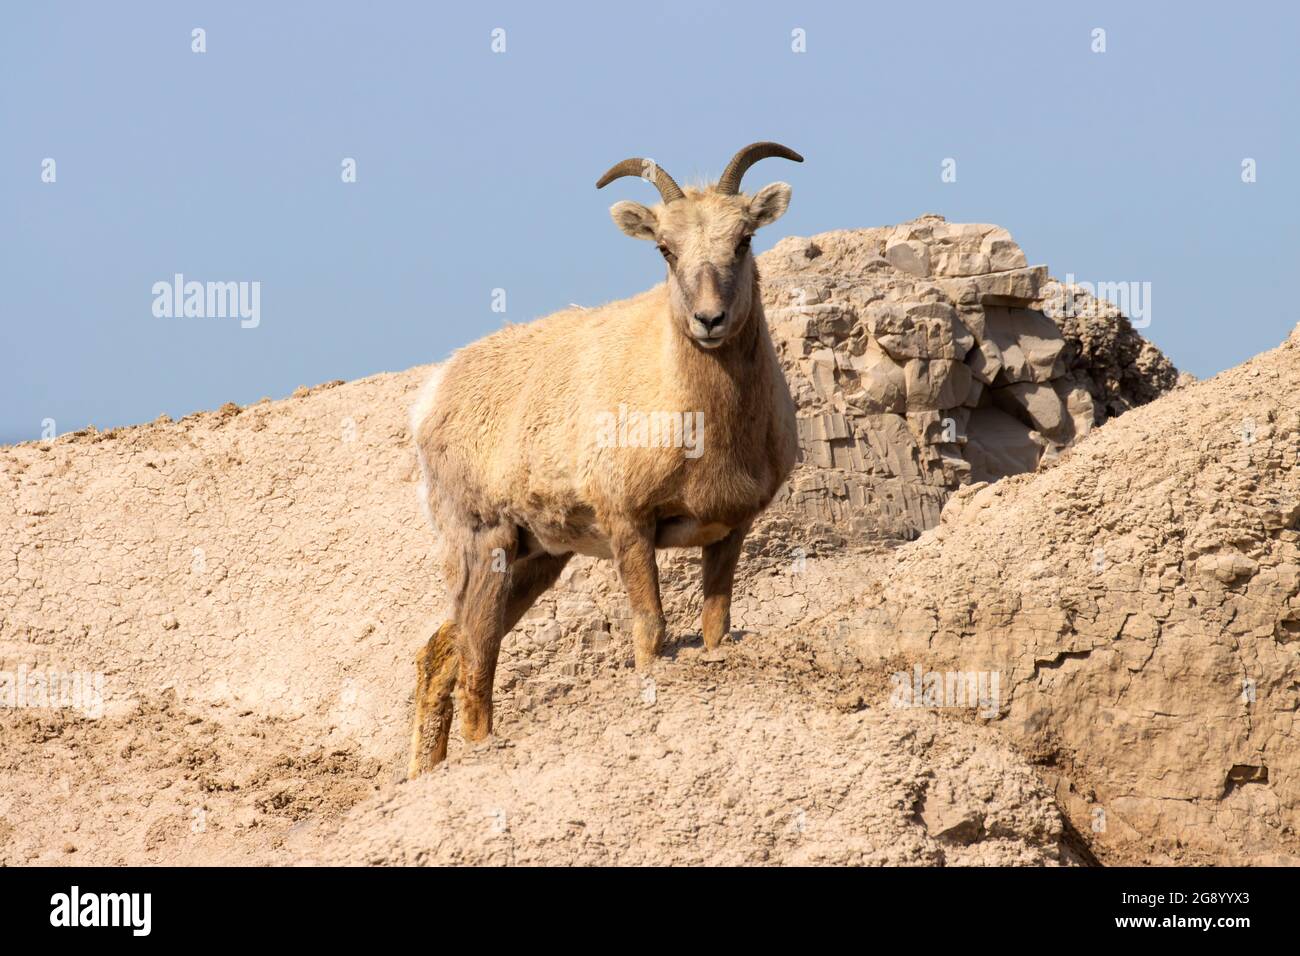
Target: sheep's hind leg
x,y
481,624
436,669
439,662
719,577
634,554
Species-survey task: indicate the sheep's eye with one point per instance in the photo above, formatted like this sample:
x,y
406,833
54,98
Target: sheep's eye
x,y
743,245
666,252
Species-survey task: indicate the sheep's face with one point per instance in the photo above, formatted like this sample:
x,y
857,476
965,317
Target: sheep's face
x,y
704,237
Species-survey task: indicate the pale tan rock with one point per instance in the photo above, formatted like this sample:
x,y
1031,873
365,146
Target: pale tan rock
x,y
954,261
936,383
985,362
910,256
966,234
1038,403
1078,405
909,330
883,382
999,445
1028,342
827,426
1020,285
949,817
1139,600
1001,251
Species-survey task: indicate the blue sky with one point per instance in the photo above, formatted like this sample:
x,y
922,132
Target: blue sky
x,y
476,170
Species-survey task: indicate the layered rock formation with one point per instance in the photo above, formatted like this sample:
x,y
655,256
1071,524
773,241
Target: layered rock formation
x,y
928,355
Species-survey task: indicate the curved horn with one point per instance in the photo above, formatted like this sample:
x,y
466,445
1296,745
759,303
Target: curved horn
x,y
729,184
636,166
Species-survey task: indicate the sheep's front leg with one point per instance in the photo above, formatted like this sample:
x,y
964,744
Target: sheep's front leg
x,y
719,576
633,544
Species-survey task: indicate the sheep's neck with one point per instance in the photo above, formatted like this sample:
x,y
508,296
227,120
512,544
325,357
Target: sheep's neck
x,y
730,382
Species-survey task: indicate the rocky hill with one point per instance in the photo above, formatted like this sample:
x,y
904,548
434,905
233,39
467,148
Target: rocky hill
x,y
252,584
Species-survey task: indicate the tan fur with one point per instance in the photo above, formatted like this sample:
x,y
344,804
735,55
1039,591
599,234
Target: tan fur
x,y
436,667
516,482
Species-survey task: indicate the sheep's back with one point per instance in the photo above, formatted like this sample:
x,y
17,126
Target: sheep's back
x,y
515,410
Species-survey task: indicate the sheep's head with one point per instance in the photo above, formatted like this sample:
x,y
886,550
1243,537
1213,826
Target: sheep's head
x,y
704,235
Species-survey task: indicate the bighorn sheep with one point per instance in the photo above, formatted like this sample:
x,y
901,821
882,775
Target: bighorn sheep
x,y
519,470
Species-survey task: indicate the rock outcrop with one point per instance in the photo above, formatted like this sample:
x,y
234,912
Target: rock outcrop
x,y
929,355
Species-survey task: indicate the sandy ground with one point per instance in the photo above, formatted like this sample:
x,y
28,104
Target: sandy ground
x,y
252,585
766,758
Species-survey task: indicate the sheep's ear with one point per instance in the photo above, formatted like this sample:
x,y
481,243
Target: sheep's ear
x,y
769,204
634,219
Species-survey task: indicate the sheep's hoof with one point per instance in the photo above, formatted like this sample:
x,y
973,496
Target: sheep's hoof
x,y
475,719
647,643
713,655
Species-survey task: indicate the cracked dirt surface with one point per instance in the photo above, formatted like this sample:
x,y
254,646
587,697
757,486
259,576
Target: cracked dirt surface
x,y
768,757
748,762
1142,600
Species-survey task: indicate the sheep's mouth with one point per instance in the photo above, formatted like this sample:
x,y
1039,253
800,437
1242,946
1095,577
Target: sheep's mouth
x,y
709,338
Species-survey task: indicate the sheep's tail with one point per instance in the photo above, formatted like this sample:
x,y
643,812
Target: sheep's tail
x,y
437,666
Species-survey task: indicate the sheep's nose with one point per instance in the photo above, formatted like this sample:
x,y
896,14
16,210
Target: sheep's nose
x,y
710,320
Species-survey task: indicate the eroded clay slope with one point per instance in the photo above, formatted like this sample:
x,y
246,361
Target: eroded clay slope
x,y
253,585
1141,600
218,555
